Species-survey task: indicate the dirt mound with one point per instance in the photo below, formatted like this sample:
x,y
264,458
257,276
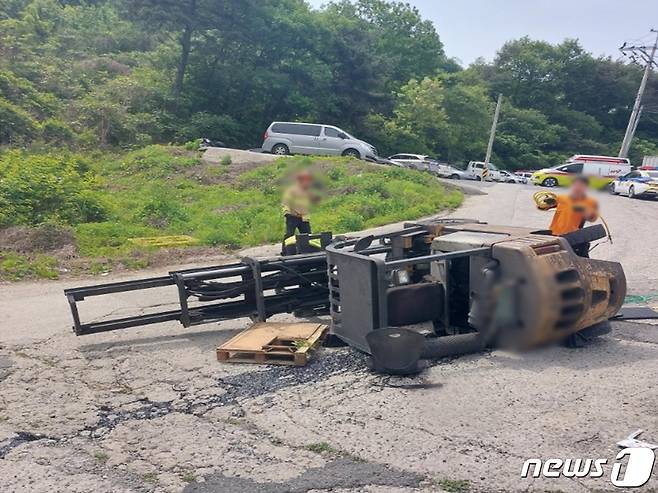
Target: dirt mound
x,y
223,165
46,238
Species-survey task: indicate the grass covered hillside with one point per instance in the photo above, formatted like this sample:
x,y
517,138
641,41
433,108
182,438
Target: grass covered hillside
x,y
68,213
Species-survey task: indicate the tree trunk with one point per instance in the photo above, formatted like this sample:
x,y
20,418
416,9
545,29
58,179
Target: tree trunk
x,y
186,45
185,42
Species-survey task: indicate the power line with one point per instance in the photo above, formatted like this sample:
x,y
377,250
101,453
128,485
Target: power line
x,y
640,40
644,56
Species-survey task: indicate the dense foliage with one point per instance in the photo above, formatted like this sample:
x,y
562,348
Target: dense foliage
x,y
40,188
89,73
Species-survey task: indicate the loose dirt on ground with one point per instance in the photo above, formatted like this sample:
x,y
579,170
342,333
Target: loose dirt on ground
x,y
40,239
216,168
151,410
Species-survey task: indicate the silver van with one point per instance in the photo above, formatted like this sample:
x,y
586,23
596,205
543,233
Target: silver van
x,y
284,138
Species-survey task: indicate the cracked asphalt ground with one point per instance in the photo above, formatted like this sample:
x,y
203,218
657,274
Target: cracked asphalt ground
x,y
151,409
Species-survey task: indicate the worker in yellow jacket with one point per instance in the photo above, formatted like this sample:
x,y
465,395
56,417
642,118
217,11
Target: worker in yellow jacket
x,y
297,200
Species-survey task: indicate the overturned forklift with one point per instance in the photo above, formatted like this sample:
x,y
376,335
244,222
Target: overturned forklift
x,y
428,290
453,287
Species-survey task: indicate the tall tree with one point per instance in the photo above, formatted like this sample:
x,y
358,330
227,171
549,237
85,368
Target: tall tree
x,y
186,19
406,45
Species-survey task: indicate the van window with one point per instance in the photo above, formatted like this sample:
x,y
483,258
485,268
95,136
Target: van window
x,y
297,129
331,132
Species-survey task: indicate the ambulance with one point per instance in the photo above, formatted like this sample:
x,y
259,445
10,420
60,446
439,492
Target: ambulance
x,y
601,171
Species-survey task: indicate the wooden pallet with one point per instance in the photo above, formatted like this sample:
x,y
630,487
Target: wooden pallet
x,y
273,344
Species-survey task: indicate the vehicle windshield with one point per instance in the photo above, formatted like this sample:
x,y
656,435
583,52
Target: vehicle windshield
x,y
349,136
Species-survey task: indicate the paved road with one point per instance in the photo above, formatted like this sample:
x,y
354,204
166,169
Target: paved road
x,y
216,154
151,409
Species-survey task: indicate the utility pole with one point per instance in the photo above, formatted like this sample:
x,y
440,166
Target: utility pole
x,y
637,120
639,55
492,137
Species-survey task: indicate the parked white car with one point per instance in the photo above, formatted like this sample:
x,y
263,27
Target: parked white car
x,y
425,163
413,161
507,177
638,183
444,170
457,174
524,175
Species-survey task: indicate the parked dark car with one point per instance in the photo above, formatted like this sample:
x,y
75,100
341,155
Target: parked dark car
x,y
205,143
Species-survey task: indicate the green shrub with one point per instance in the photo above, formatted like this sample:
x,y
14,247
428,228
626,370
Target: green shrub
x,y
226,160
45,187
14,267
350,221
56,132
23,93
91,206
162,211
192,145
110,238
211,126
320,448
336,173
16,124
455,485
159,160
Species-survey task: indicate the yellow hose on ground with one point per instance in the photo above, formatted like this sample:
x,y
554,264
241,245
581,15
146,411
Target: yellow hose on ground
x,y
545,200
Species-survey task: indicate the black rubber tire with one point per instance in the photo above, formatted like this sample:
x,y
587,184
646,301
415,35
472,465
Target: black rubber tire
x,y
280,150
585,336
631,193
478,178
550,182
454,177
351,153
